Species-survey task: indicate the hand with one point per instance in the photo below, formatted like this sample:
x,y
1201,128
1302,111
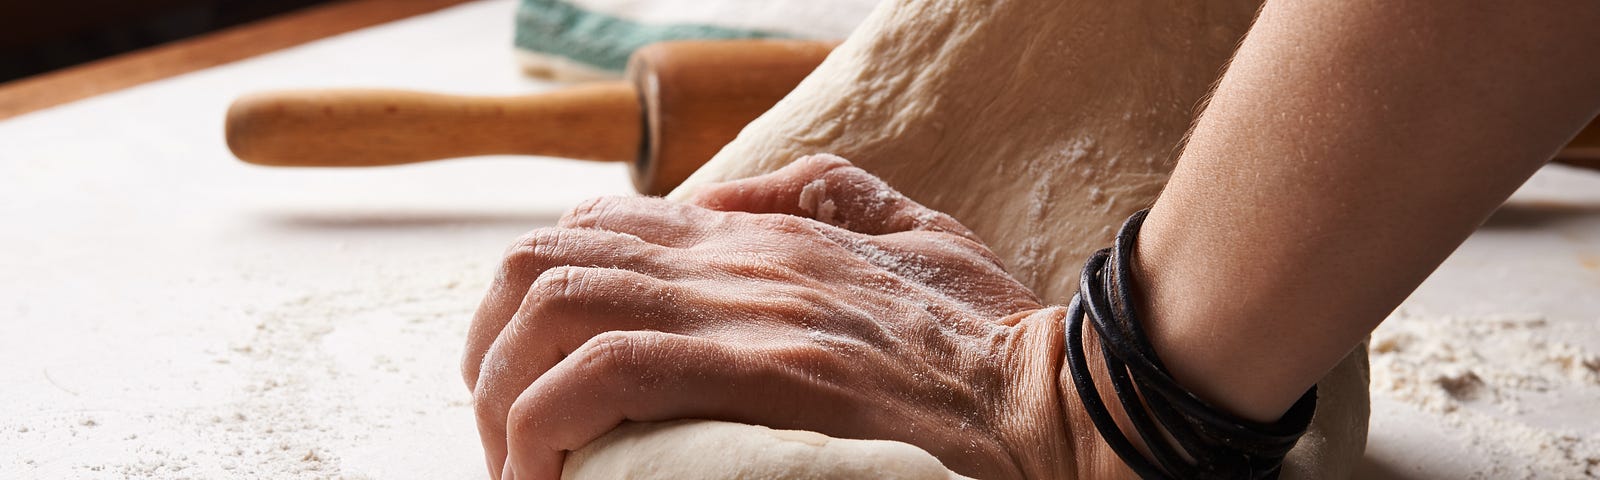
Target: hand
x,y
873,317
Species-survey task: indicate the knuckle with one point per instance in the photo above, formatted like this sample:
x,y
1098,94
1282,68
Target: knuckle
x,y
557,286
490,384
483,403
490,411
566,296
523,420
585,211
533,249
855,178
592,213
611,353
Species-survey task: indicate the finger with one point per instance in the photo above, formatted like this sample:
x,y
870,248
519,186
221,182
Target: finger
x,y
568,306
542,250
829,189
650,376
656,220
564,308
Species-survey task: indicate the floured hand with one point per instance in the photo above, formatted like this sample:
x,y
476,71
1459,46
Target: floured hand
x,y
883,320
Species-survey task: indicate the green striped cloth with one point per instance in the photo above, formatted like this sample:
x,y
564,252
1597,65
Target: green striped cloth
x,y
591,39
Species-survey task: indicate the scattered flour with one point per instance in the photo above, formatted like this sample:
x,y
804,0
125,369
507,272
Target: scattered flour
x,y
912,267
306,381
1483,377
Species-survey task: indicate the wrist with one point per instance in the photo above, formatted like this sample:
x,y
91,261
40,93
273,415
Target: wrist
x,y
1185,436
1203,341
1096,458
1051,436
1032,427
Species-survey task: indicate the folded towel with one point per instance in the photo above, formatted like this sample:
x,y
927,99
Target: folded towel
x,y
577,40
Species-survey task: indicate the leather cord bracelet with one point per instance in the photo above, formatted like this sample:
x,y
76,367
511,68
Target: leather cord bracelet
x,y
1217,444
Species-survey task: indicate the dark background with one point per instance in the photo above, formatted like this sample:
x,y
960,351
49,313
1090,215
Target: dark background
x,y
38,36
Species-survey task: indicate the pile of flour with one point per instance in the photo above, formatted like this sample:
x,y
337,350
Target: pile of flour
x,y
1500,381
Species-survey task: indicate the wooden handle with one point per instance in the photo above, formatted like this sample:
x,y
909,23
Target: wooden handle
x,y
698,95
358,128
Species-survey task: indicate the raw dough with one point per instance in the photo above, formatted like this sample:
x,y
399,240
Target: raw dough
x,y
708,450
1041,124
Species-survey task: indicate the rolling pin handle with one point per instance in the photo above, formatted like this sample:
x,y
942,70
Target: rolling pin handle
x,y
365,127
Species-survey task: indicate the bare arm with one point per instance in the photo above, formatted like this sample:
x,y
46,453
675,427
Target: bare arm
x,y
1349,148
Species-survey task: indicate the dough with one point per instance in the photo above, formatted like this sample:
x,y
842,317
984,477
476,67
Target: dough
x,y
1040,124
703,449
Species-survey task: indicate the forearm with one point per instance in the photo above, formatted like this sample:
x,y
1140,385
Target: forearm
x,y
1349,148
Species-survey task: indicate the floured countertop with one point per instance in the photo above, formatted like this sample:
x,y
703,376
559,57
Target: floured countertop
x,y
167,312
1492,368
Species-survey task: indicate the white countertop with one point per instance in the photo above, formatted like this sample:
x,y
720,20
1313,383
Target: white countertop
x,y
168,312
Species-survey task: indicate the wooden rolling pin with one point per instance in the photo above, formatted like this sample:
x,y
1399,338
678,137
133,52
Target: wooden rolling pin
x,y
681,102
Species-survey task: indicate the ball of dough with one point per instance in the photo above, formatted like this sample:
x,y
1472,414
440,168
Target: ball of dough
x,y
710,450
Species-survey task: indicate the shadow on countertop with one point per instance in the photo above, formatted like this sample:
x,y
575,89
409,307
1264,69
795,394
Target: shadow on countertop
x,y
1540,214
1374,469
404,220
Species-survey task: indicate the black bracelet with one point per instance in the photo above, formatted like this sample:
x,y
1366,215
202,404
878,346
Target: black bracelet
x,y
1220,444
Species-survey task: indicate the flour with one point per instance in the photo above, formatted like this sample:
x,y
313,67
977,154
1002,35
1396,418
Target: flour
x,y
306,379
1480,375
912,267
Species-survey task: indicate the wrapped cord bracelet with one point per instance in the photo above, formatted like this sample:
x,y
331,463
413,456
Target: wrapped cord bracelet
x,y
1222,446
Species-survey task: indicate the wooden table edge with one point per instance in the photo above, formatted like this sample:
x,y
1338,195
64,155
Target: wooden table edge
x,y
228,45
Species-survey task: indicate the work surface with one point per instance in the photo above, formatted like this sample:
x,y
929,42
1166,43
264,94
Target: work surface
x,y
166,311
